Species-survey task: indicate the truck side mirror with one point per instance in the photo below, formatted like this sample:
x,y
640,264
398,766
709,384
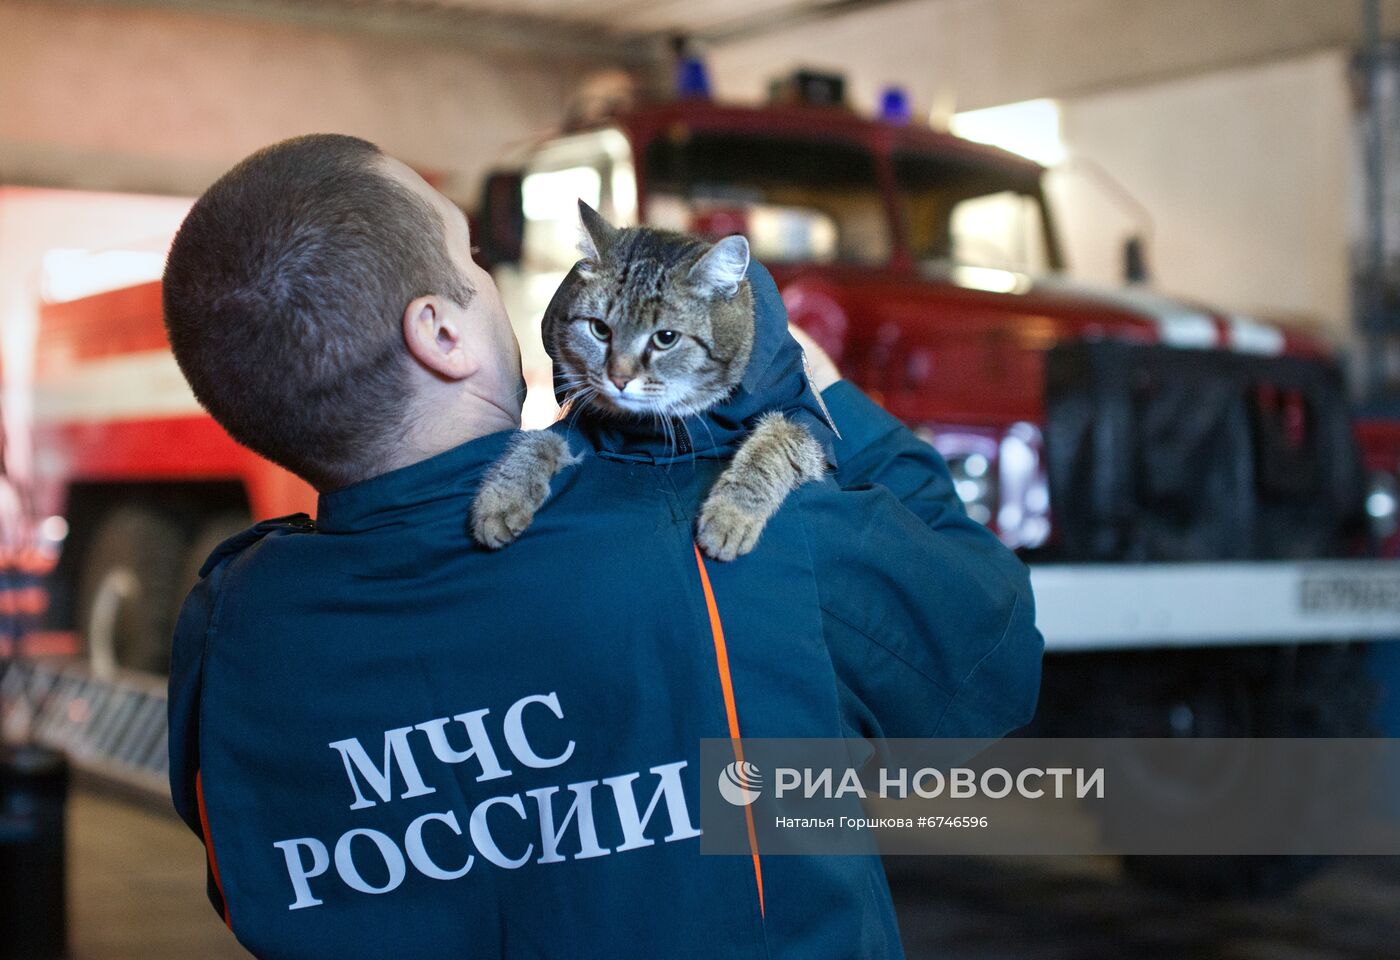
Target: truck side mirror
x,y
500,223
1135,270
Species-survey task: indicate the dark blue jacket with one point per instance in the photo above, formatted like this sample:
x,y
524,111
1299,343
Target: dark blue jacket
x,y
395,743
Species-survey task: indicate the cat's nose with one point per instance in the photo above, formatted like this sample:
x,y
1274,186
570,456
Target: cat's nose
x,y
620,382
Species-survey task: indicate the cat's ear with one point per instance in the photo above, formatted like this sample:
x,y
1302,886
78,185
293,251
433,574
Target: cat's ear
x,y
720,271
597,236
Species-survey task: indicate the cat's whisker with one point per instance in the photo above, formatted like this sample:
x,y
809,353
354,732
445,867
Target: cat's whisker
x,y
655,423
576,402
574,381
570,421
579,399
668,430
708,430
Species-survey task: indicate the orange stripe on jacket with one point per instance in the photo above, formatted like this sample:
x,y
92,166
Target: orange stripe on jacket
x,y
731,712
209,844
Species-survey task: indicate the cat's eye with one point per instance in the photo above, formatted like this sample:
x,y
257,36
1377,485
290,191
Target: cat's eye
x,y
665,339
599,329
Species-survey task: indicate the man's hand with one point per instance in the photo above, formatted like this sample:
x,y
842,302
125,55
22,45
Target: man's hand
x,y
820,367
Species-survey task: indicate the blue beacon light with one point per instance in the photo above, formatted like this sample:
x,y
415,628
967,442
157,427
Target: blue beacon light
x,y
894,106
692,79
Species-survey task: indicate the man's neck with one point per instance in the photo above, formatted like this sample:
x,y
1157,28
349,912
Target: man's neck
x,y
438,429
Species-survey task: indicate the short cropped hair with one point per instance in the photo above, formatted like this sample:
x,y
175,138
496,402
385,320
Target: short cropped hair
x,y
284,295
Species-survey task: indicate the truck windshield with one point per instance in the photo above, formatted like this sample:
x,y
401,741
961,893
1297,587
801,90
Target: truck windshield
x,y
961,214
798,201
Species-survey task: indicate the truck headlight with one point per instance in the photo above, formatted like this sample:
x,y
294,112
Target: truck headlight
x,y
975,484
1023,515
999,477
1383,504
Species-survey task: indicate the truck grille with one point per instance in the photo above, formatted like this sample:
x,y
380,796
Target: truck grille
x,y
1162,454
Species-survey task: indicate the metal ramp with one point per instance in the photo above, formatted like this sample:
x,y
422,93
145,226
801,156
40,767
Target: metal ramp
x,y
111,726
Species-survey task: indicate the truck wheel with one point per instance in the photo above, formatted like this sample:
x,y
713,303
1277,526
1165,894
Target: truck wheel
x,y
128,577
211,532
1218,878
1312,691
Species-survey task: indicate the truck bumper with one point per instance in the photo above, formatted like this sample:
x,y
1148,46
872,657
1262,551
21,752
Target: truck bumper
x,y
1124,607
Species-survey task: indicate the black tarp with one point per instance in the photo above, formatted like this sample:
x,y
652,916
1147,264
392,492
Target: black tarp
x,y
1163,454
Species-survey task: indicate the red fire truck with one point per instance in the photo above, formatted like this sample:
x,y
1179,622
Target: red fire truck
x,y
148,484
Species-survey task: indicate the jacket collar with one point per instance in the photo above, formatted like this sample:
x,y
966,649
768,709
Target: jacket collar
x,y
394,496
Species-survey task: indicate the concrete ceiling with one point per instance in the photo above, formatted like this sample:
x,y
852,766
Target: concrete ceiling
x,y
1028,47
985,52
619,31
630,18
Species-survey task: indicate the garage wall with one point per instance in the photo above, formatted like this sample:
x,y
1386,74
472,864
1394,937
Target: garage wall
x,y
163,101
979,53
1246,175
34,222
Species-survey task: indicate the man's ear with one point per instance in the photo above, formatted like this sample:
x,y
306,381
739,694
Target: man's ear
x,y
434,334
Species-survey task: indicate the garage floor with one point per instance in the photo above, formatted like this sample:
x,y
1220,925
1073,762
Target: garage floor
x,y
136,886
1080,908
137,893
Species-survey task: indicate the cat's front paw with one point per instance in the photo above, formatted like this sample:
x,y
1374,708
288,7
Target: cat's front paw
x,y
517,485
727,530
500,514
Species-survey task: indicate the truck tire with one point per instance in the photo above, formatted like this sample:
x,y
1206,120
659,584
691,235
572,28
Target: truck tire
x,y
1309,691
212,531
126,583
1221,878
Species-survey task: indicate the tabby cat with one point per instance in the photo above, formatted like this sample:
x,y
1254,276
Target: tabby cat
x,y
659,327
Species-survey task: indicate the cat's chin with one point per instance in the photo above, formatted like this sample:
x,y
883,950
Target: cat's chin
x,y
645,408
627,406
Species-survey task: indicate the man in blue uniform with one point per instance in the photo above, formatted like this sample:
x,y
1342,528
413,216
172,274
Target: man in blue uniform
x,y
396,743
